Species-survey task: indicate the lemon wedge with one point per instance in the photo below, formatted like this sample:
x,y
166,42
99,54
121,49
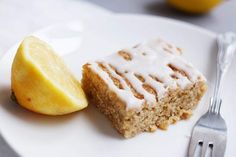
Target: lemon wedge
x,y
194,6
42,83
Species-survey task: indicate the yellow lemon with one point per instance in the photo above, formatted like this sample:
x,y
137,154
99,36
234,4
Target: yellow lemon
x,y
194,6
42,83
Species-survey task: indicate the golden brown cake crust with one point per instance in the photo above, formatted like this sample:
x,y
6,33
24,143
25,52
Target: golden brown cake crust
x,y
177,104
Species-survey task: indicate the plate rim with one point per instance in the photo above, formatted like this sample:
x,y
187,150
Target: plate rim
x,y
124,15
172,20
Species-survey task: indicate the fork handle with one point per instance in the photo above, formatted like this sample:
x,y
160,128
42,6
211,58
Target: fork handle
x,y
226,48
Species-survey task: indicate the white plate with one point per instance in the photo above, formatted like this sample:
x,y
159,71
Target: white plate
x,y
89,133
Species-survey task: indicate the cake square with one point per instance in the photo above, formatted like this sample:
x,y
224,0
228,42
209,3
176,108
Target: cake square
x,y
144,87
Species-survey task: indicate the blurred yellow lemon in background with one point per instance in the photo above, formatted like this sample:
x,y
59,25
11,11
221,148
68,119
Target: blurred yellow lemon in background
x,y
194,6
42,83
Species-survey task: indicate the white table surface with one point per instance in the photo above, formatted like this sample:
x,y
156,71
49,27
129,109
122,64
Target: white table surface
x,y
19,18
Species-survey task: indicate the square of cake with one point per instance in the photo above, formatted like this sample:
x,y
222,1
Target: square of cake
x,y
144,87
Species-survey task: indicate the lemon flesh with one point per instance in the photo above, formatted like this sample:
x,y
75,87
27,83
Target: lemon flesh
x,y
194,6
42,83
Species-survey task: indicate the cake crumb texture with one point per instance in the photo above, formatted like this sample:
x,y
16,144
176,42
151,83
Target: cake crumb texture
x,y
177,105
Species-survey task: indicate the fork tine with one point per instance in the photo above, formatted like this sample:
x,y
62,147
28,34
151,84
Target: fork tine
x,y
204,148
219,149
192,146
216,153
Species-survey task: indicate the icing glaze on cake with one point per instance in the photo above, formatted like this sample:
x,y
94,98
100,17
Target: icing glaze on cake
x,y
145,72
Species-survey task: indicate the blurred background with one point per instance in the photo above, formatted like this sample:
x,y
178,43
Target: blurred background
x,y
215,15
18,18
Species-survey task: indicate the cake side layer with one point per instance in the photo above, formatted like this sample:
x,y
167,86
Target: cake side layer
x,y
175,105
106,100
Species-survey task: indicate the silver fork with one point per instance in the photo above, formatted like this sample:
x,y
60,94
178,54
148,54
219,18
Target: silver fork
x,y
210,131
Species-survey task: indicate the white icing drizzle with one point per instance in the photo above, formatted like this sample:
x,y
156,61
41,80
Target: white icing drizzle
x,y
138,86
124,85
148,58
123,94
156,85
